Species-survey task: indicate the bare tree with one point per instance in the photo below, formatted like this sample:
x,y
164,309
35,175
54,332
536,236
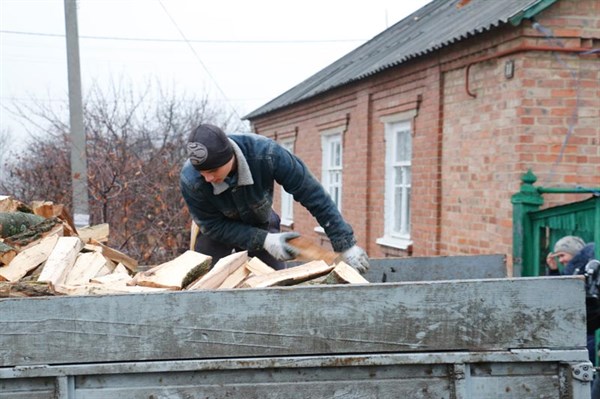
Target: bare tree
x,y
135,150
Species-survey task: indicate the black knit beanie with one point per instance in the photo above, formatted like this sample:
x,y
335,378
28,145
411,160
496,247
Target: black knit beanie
x,y
209,148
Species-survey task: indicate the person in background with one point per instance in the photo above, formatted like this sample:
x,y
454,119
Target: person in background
x,y
574,254
227,184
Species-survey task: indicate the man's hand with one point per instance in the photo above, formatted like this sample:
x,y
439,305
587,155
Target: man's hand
x,y
357,258
276,244
551,261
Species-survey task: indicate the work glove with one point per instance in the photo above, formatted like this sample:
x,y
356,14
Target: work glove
x,y
357,258
276,244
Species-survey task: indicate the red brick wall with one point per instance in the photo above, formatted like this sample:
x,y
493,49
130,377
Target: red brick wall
x,y
468,153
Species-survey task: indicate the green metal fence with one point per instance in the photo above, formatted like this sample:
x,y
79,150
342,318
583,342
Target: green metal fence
x,y
536,231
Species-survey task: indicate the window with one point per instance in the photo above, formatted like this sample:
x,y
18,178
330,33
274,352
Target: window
x,y
287,200
331,175
398,162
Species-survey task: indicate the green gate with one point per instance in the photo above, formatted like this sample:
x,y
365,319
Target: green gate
x,y
536,231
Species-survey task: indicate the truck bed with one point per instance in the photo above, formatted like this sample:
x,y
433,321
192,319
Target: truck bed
x,y
476,338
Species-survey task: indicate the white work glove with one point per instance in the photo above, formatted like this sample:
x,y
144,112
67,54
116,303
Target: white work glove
x,y
357,258
276,244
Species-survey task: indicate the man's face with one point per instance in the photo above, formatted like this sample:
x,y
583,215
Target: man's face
x,y
563,257
219,174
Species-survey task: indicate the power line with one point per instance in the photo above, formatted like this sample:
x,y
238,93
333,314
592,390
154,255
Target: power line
x,y
199,59
139,39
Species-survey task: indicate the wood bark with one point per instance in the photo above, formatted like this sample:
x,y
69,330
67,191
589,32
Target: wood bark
x,y
13,223
176,273
25,289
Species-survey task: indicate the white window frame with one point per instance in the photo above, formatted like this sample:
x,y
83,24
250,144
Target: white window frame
x,y
287,199
332,165
398,177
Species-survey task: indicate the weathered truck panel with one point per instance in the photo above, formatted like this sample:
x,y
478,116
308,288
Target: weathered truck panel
x,y
486,338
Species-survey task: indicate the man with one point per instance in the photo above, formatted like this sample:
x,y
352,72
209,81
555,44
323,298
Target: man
x,y
574,254
227,184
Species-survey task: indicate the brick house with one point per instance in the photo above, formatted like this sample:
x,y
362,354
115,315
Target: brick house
x,y
421,135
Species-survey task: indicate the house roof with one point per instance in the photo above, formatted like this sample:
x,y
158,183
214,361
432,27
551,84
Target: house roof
x,y
438,24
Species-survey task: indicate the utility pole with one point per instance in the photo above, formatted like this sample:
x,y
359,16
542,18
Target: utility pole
x,y
81,214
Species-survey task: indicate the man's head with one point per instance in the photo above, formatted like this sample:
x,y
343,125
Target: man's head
x,y
209,148
567,247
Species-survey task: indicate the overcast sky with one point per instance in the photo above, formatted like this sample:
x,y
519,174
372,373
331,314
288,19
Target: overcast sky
x,y
243,53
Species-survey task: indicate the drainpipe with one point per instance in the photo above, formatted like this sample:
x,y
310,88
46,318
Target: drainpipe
x,y
519,49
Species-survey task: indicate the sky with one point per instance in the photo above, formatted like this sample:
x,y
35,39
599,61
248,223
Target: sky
x,y
241,53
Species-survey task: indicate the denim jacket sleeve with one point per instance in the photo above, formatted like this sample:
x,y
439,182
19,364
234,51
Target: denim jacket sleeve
x,y
295,177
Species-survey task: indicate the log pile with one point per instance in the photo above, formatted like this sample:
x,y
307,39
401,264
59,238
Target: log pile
x,y
42,253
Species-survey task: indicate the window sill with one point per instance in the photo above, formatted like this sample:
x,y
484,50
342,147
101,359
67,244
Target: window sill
x,y
399,243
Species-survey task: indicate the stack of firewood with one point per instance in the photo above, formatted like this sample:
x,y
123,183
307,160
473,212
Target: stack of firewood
x,y
42,253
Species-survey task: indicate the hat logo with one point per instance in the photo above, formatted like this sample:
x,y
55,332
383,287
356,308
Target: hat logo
x,y
197,153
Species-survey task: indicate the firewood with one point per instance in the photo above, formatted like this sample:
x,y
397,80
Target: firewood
x,y
310,251
87,266
235,278
113,278
221,270
28,259
115,255
176,273
98,232
10,204
344,274
104,289
34,232
25,289
46,209
257,267
293,275
13,223
194,230
61,260
7,253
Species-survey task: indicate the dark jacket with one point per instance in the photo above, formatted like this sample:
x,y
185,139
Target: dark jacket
x,y
577,264
239,215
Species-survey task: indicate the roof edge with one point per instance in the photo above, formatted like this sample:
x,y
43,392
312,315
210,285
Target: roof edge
x,y
531,11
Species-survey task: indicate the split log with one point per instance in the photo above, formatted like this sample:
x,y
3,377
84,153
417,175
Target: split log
x,y
13,223
35,232
87,266
104,289
112,279
115,255
61,260
236,278
9,204
258,268
46,209
221,270
25,289
28,259
7,253
176,273
310,251
344,274
97,232
293,275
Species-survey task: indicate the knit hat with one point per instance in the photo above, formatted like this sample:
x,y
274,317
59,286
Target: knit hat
x,y
209,148
569,244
